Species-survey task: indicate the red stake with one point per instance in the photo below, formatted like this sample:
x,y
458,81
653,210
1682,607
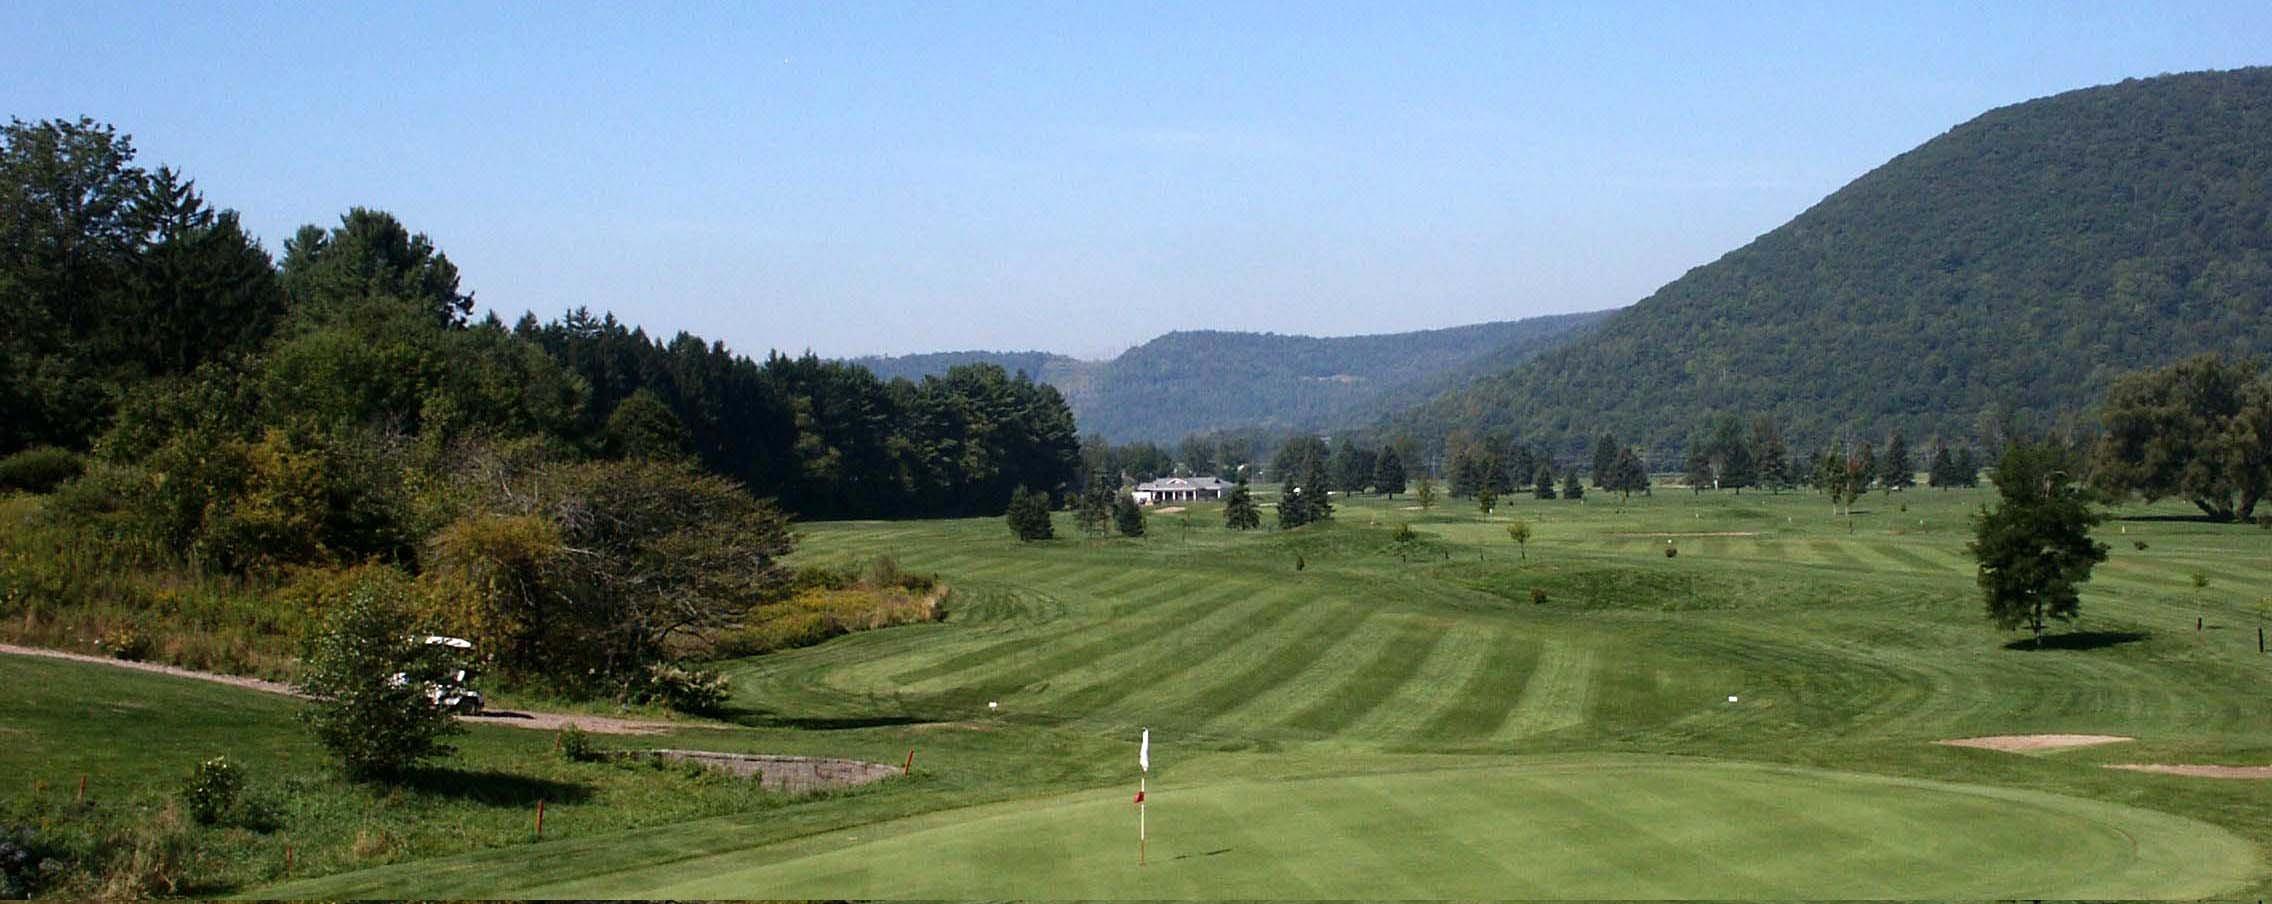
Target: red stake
x,y
909,767
287,858
82,798
540,819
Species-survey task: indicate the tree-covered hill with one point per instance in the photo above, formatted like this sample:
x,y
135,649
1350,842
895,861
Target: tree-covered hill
x,y
2017,263
1200,380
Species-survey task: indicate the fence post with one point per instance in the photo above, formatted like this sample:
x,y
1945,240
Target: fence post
x,y
540,819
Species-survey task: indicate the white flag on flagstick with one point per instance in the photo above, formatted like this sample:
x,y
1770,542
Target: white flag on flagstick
x,y
1144,752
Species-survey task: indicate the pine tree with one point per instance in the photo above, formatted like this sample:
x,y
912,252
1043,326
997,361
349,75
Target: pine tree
x,y
1941,471
1895,472
1572,487
1966,467
1320,504
1028,515
1348,470
1239,512
1128,516
1521,464
1543,482
1467,471
1772,454
1628,475
1737,468
1864,465
2035,547
1605,461
1699,475
1388,473
1094,510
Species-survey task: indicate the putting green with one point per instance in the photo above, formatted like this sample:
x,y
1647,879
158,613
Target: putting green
x,y
1617,828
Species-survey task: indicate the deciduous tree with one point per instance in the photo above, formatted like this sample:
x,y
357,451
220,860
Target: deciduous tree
x,y
2199,430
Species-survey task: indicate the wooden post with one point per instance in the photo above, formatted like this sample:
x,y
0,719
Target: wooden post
x,y
908,768
540,819
82,796
287,858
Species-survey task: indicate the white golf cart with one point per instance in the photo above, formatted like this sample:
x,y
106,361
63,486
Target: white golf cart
x,y
452,658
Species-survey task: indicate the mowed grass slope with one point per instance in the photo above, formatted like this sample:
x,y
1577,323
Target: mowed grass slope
x,y
1306,709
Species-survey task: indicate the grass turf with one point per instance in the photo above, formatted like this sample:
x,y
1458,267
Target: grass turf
x,y
1852,642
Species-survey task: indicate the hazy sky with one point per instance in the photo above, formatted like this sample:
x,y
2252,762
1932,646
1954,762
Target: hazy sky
x,y
861,177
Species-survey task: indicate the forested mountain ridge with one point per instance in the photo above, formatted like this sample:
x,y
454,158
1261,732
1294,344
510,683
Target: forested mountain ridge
x,y
2016,263
1191,381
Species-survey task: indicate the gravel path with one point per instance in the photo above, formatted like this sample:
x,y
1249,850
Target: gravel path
x,y
505,717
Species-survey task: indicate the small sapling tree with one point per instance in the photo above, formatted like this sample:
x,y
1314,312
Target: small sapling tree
x,y
1520,533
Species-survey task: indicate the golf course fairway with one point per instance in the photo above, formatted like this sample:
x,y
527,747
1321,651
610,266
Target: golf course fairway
x,y
1616,827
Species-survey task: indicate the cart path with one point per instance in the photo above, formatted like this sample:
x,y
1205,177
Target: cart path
x,y
510,718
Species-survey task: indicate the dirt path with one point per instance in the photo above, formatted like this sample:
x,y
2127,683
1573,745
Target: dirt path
x,y
505,717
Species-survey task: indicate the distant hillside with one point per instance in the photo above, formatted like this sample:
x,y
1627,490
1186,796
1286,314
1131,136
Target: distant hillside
x,y
2022,259
1203,380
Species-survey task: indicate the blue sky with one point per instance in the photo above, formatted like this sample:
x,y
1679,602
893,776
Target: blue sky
x,y
1075,177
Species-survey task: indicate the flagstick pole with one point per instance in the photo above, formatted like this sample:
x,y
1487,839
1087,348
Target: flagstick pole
x,y
1143,839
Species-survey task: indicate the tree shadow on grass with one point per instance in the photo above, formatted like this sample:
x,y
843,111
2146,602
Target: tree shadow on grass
x,y
2078,640
494,788
2176,519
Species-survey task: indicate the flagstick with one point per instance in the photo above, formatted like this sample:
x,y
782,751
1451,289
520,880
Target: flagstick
x,y
1142,838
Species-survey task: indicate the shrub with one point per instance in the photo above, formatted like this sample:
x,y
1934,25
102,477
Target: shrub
x,y
686,690
128,642
24,864
820,613
1538,596
40,470
214,791
368,671
1670,551
1404,533
882,571
2141,544
575,744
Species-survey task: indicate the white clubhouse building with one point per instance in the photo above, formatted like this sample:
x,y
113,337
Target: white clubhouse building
x,y
1179,489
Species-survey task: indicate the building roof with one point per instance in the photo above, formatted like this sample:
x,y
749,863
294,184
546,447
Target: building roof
x,y
1183,483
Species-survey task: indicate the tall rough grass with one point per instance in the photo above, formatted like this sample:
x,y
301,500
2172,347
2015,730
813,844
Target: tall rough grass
x,y
830,603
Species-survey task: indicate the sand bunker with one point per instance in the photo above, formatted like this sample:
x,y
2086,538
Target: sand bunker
x,y
1171,510
2198,771
2028,743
